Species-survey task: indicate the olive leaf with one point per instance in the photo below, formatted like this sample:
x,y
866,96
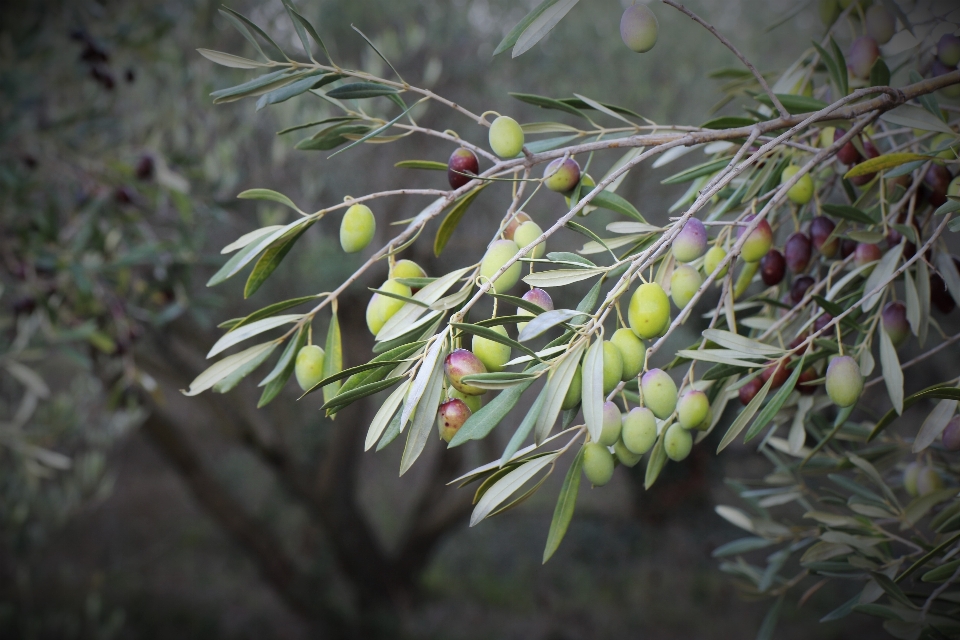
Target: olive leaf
x,y
563,512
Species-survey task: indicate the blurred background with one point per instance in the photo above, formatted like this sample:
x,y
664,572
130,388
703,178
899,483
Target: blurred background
x,y
130,511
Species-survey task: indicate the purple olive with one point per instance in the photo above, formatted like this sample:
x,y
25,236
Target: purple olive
x,y
820,230
866,253
847,247
861,56
772,268
799,288
461,161
951,435
894,319
937,180
822,321
450,417
807,376
749,390
540,298
691,242
778,372
797,252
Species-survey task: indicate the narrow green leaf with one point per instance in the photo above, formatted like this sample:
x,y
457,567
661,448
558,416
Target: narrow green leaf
x,y
658,458
892,373
229,60
231,381
848,212
268,194
276,379
728,122
793,103
223,368
391,433
770,411
541,25
452,219
333,359
331,137
511,38
272,258
558,382
499,379
315,123
613,202
270,310
482,422
424,418
592,389
260,32
430,165
745,415
375,132
342,399
841,63
548,103
242,28
769,624
563,512
310,29
526,426
693,173
879,74
292,90
257,86
360,90
881,163
519,302
544,322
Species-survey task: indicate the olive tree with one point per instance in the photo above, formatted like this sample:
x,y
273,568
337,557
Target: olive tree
x,y
814,242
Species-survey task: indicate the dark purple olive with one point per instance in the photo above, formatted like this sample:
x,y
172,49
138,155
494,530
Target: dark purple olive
x,y
937,181
772,268
894,320
799,340
803,382
797,252
939,295
144,169
749,390
820,229
847,247
822,320
848,153
871,152
799,288
462,161
951,435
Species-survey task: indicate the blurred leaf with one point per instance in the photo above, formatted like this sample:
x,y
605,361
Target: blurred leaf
x,y
769,624
452,219
563,512
793,103
881,273
742,545
948,271
881,163
841,63
892,373
916,118
941,573
548,103
929,101
879,74
922,505
539,146
541,24
268,194
745,415
220,370
692,173
838,73
776,402
580,104
848,212
728,122
229,60
430,165
360,90
315,123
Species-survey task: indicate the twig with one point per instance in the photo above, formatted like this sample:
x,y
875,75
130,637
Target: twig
x,y
729,45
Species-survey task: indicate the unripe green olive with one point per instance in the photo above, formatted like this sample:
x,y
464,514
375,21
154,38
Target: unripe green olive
x,y
829,10
649,312
691,242
953,189
526,233
881,23
626,457
659,392
706,422
497,255
944,142
611,425
826,136
631,352
473,402
612,366
639,430
758,242
494,355
450,417
309,366
712,260
910,475
357,228
407,269
692,409
561,175
677,442
597,464
506,137
802,191
381,308
574,391
639,28
928,481
460,363
844,381
684,284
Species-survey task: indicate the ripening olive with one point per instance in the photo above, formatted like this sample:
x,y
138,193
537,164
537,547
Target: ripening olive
x,y
460,363
777,371
381,308
928,481
574,391
951,435
639,28
758,242
692,409
749,390
881,24
677,442
821,322
506,137
494,355
861,56
807,376
659,392
691,242
626,457
561,175
639,430
848,153
610,432
538,297
821,229
844,381
450,417
772,268
684,284
518,219
357,228
802,191
497,255
799,288
461,161
948,49
910,475
649,312
597,464
612,366
472,402
865,254
712,260
894,320
631,352
309,366
526,234
797,252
